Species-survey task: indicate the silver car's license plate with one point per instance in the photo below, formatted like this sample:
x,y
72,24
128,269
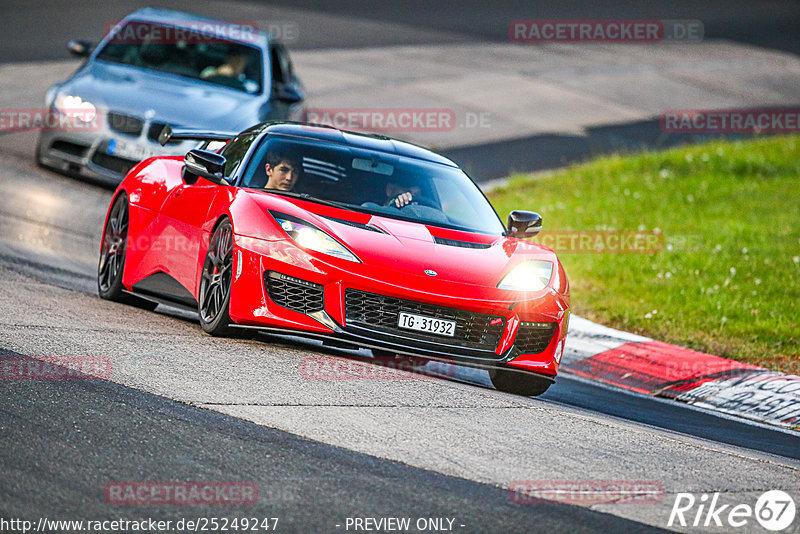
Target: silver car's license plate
x,y
125,150
442,327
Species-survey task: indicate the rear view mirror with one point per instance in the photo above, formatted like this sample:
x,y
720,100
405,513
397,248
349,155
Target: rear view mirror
x,y
209,165
79,48
524,223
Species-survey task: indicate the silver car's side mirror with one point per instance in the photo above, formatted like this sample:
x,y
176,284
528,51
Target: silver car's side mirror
x,y
79,48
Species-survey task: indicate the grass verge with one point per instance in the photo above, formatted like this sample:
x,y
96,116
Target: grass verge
x,y
727,214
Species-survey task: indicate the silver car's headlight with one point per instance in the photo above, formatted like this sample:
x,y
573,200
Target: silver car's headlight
x,y
311,237
75,107
532,275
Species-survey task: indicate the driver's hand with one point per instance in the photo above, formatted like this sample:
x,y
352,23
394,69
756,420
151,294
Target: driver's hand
x,y
402,199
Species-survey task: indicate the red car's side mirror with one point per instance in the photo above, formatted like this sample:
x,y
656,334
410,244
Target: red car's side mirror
x,y
207,164
524,223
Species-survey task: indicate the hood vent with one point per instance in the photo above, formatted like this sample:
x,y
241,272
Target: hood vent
x,y
369,227
462,244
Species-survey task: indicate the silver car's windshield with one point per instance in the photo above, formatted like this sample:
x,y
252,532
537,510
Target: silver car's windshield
x,y
372,182
179,51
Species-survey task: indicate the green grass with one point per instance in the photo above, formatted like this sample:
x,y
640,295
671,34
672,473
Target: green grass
x,y
726,282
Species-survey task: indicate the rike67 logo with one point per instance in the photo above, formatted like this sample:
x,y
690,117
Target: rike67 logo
x,y
774,510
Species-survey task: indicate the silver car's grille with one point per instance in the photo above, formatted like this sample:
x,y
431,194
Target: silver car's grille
x,y
73,149
113,163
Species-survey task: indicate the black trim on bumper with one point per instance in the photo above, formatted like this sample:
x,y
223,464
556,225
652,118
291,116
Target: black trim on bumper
x,y
358,341
391,341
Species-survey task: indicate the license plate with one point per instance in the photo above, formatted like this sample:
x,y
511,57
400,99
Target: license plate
x,y
126,150
442,327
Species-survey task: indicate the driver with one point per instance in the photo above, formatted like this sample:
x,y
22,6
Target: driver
x,y
233,67
283,171
400,195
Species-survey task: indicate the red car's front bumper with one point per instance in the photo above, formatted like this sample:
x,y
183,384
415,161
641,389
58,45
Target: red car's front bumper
x,y
278,285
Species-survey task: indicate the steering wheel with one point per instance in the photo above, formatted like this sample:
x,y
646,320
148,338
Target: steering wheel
x,y
417,201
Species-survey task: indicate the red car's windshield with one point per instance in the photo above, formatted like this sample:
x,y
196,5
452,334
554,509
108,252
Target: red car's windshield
x,y
374,182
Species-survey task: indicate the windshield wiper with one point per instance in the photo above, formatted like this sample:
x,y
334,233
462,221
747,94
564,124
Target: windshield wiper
x,y
306,196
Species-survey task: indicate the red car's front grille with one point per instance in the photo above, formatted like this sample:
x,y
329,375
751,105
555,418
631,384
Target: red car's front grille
x,y
533,338
381,313
293,293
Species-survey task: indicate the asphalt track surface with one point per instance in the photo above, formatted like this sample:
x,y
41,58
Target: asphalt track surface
x,y
158,418
87,431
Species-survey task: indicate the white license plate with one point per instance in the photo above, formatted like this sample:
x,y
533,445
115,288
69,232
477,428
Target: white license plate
x,y
126,150
411,321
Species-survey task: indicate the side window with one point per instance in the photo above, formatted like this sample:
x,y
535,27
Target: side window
x,y
281,64
235,151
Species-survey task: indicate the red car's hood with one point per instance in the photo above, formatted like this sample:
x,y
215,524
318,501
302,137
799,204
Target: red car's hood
x,y
414,248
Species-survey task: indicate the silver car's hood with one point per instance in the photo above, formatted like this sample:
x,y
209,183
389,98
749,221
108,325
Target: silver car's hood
x,y
164,97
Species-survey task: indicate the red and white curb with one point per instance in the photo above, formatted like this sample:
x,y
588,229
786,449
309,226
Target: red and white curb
x,y
647,366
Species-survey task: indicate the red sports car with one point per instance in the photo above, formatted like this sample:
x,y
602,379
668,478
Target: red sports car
x,y
358,239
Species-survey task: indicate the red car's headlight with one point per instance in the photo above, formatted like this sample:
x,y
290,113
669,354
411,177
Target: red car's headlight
x,y
532,275
311,237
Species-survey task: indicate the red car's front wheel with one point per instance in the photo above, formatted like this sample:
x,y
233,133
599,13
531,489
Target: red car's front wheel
x,y
215,285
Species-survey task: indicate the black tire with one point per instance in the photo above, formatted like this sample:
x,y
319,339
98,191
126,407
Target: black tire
x,y
111,265
518,382
213,302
